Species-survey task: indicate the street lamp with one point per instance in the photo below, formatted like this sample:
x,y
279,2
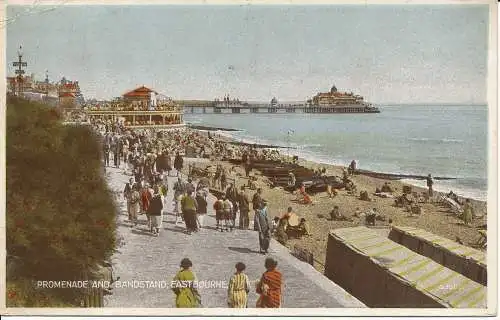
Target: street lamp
x,y
19,71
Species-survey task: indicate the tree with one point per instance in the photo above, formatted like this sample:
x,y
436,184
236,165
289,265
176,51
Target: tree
x,y
60,214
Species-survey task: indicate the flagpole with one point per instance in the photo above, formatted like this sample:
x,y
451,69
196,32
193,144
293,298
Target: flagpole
x,y
290,131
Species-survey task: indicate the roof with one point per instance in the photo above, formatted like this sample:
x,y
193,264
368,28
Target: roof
x,y
70,85
139,92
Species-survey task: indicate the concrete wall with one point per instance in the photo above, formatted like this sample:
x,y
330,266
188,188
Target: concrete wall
x,y
445,252
369,282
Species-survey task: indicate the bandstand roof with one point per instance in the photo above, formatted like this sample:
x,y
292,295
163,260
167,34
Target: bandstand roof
x,y
139,92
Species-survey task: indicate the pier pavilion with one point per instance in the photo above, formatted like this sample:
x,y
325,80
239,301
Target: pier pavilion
x,y
139,108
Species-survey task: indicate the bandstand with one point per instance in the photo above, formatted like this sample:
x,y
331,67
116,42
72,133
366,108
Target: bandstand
x,y
139,108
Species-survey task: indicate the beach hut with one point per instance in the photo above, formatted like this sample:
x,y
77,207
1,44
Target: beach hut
x,y
462,259
384,274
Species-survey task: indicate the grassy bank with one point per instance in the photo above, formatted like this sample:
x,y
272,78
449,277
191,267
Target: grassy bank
x,y
60,215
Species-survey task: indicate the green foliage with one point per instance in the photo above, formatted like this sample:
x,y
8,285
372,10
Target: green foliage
x,y
60,214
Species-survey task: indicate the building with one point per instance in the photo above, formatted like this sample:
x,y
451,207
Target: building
x,y
334,97
139,108
69,93
26,83
64,93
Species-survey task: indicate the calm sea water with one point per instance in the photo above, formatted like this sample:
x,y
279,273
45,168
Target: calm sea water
x,y
449,141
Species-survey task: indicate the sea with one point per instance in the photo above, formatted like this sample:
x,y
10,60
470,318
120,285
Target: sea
x,y
444,140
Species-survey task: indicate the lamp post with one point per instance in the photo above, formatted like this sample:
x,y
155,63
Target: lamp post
x,y
20,64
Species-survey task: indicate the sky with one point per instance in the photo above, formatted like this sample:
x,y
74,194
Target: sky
x,y
387,53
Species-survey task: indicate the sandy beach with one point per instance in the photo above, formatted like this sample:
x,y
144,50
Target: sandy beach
x,y
434,218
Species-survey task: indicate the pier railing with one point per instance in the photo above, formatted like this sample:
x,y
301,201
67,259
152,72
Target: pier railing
x,y
172,110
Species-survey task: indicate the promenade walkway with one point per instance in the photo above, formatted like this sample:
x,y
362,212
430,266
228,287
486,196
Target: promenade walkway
x,y
143,257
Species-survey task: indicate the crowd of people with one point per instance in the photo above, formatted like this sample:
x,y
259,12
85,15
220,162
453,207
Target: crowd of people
x,y
166,105
147,158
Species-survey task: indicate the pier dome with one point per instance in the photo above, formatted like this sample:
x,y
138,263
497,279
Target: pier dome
x,y
333,89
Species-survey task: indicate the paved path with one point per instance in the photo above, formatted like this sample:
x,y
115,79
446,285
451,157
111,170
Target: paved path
x,y
143,257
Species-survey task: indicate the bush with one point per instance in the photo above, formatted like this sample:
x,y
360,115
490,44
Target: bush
x,y
60,214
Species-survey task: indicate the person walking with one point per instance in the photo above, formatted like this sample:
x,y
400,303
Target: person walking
x,y
178,163
113,147
186,296
117,151
263,226
468,213
430,182
248,166
106,148
270,286
227,208
125,148
244,204
201,211
223,180
219,212
135,203
155,212
146,196
164,189
179,191
127,192
189,208
257,199
239,287
168,163
232,196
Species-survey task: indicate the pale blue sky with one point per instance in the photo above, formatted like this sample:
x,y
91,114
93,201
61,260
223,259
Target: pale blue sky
x,y
386,53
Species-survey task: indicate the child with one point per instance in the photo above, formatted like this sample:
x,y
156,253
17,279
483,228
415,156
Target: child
x,y
238,289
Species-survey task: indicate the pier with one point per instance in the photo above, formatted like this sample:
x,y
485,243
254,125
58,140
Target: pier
x,y
212,107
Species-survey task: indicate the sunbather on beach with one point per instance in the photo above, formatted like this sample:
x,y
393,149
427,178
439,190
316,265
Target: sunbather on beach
x,y
386,188
336,215
304,229
331,191
302,196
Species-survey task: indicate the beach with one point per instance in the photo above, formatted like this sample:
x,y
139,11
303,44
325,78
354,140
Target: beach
x,y
434,218
446,141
